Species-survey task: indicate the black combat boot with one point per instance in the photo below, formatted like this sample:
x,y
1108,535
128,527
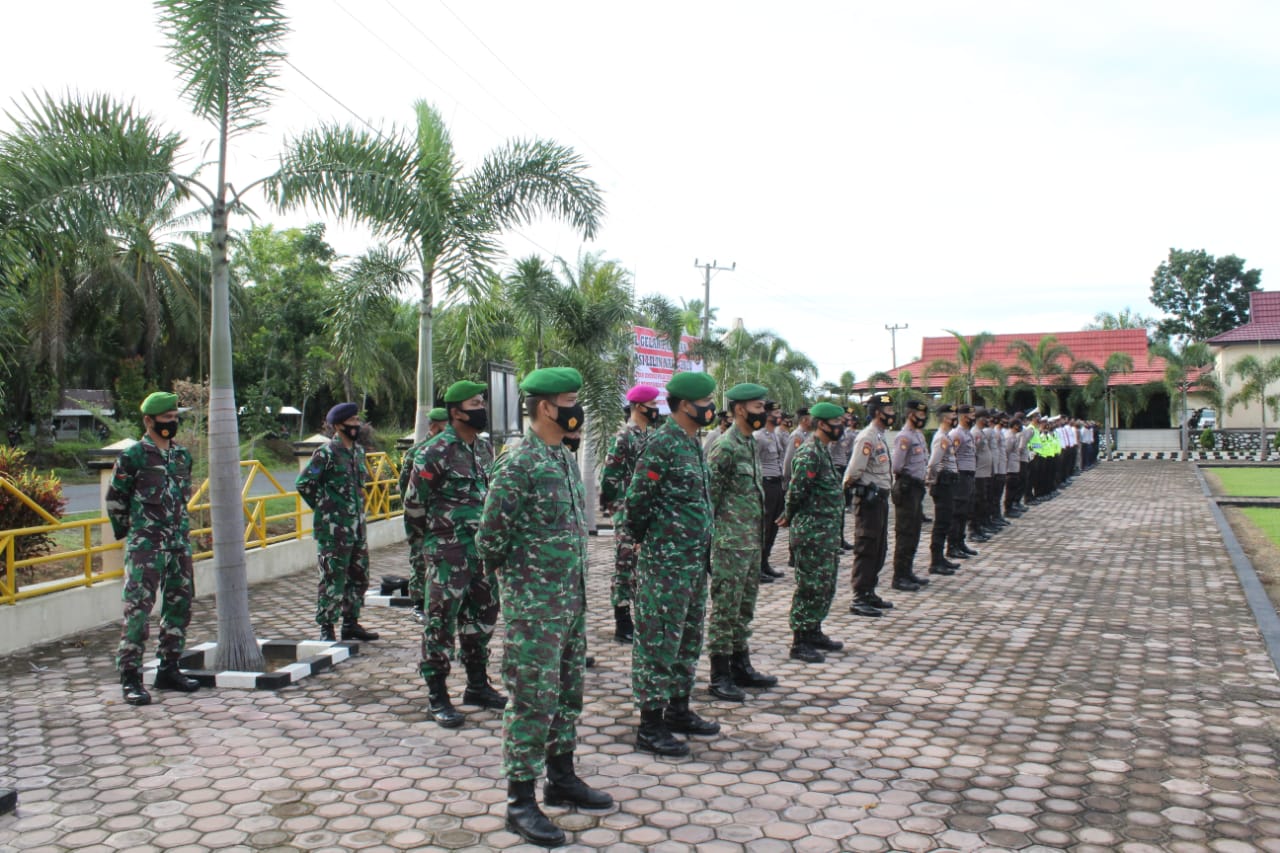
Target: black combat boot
x,y
169,677
917,580
326,633
904,583
525,819
977,535
654,736
722,685
765,577
479,691
624,630
966,550
862,606
564,788
351,630
822,642
131,687
439,704
745,675
679,717
876,601
801,650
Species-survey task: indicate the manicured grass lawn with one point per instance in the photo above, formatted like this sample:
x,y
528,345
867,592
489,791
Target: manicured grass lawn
x,y
1266,519
1249,482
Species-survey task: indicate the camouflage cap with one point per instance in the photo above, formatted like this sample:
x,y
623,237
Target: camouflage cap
x,y
552,380
745,391
439,414
464,390
691,386
159,403
826,411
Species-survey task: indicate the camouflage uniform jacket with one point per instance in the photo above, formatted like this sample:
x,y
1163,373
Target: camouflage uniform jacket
x,y
147,498
533,530
447,485
620,464
815,498
737,491
333,486
668,505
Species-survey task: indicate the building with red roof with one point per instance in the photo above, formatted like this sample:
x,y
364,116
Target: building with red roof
x,y
1087,346
1259,337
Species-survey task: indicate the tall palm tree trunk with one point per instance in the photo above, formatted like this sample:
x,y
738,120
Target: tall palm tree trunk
x,y
237,647
426,379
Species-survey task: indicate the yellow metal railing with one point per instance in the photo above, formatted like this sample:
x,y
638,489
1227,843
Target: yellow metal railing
x,y
277,516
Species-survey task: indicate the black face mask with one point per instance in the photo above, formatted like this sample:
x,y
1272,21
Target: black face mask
x,y
834,431
477,419
917,421
570,417
704,414
351,431
650,414
167,429
756,420
888,419
572,443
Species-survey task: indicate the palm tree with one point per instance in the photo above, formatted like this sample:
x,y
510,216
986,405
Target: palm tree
x,y
843,388
1046,361
411,190
963,370
692,313
529,295
1183,366
363,308
1000,390
1098,386
1258,375
1126,318
786,372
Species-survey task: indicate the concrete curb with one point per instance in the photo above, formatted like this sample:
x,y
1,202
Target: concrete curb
x,y
1264,613
310,657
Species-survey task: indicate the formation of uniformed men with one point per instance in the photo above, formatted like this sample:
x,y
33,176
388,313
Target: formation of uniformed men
x,y
690,516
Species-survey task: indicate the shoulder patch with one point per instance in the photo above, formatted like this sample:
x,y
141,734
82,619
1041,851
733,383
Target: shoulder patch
x,y
866,450
653,475
904,443
812,474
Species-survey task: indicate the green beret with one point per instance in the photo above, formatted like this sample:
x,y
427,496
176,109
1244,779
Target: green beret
x,y
745,391
464,390
439,414
551,380
159,403
691,386
826,411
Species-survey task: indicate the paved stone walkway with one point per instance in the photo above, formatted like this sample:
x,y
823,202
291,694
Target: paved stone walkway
x,y
1093,682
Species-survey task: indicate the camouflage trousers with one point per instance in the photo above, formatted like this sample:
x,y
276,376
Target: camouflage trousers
x,y
344,577
624,563
670,608
462,595
817,563
144,573
542,666
735,582
418,568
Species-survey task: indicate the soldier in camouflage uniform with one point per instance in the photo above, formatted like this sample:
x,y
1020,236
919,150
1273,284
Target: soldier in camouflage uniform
x,y
333,486
619,466
533,536
448,481
147,506
438,419
668,509
815,503
737,500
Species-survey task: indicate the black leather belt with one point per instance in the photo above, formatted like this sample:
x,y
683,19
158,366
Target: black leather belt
x,y
772,479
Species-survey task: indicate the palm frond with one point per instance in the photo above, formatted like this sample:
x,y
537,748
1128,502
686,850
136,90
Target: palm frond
x,y
226,52
523,179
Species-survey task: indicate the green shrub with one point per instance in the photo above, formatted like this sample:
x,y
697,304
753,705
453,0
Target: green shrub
x,y
44,490
1207,439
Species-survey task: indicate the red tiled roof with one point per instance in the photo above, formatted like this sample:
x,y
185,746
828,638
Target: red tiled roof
x,y
1263,325
1084,346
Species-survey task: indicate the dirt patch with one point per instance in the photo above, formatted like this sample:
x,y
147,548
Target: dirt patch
x,y
1264,555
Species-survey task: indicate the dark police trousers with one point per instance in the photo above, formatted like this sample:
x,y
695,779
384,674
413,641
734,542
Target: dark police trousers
x,y
870,541
944,498
962,507
908,516
774,502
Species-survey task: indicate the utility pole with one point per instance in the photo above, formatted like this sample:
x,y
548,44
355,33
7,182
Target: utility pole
x,y
893,340
706,297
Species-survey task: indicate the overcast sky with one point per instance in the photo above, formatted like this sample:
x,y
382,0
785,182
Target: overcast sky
x,y
1008,167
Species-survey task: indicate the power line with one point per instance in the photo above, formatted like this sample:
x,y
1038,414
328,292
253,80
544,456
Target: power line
x,y
529,88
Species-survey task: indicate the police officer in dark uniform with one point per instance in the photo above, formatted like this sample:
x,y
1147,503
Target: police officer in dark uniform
x,y
870,477
909,460
941,476
962,445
